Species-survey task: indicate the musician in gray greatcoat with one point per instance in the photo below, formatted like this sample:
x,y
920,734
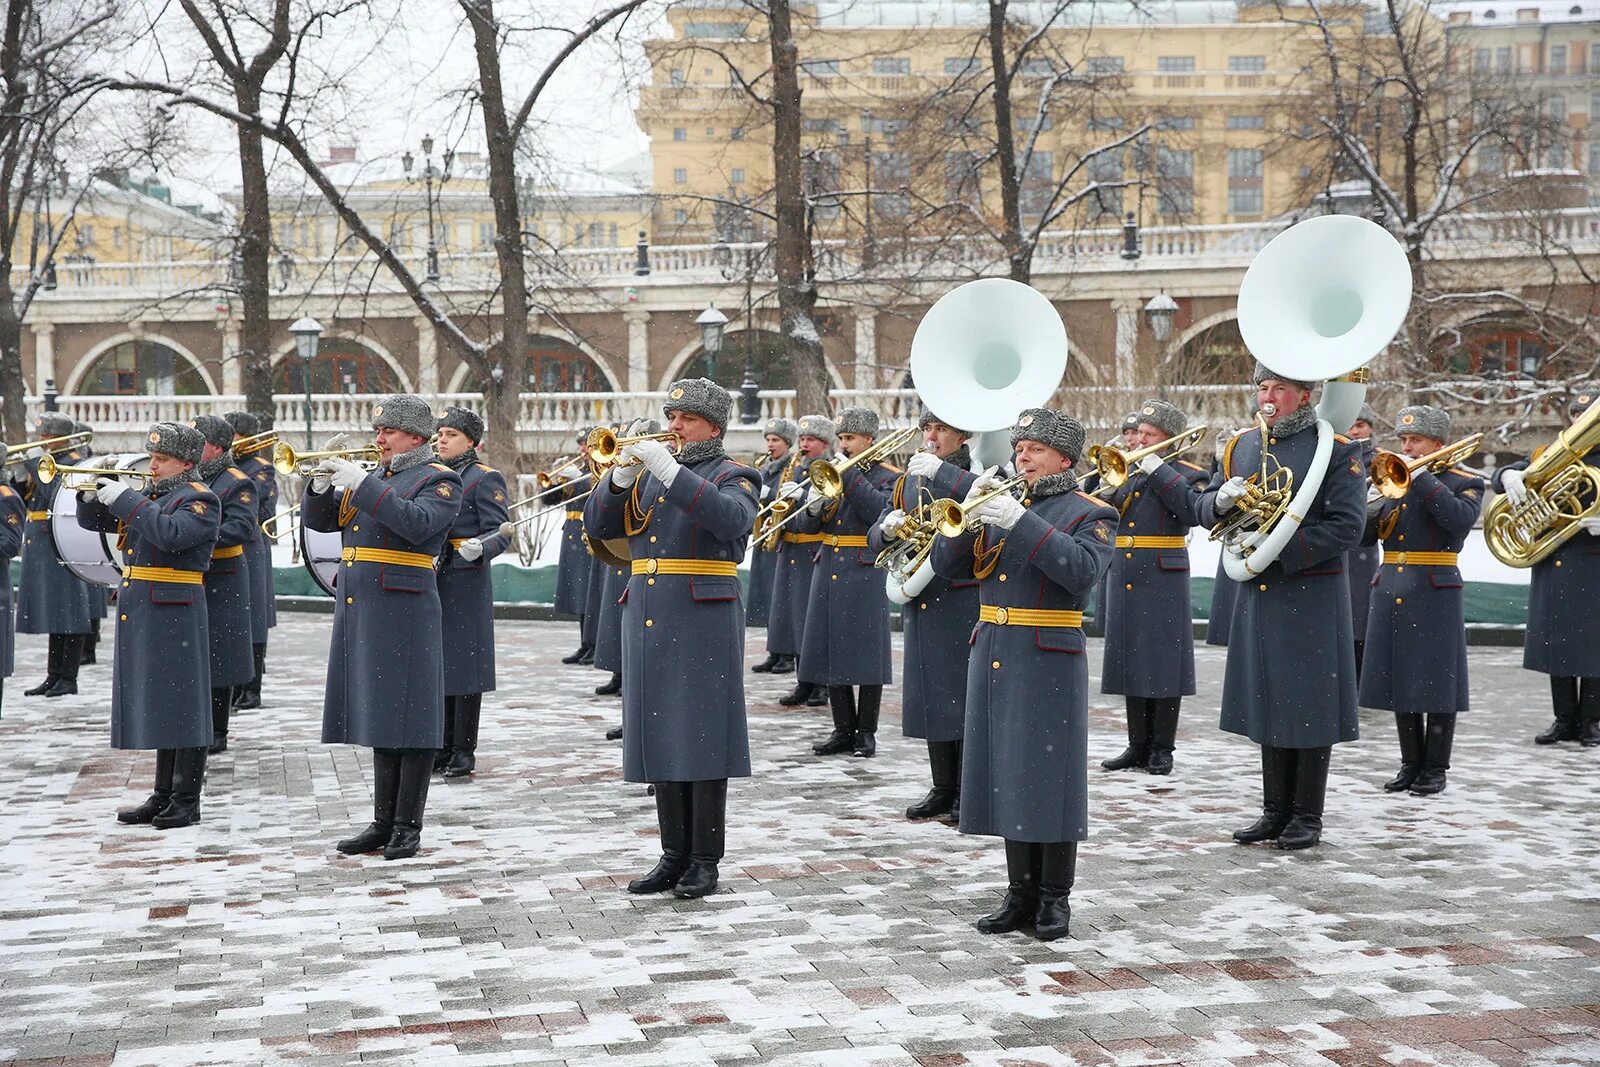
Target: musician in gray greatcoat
x,y
466,588
161,671
779,435
1027,720
1361,562
1563,638
573,564
1224,590
257,465
1149,627
385,687
13,520
845,646
797,559
687,518
99,596
937,618
1416,657
613,583
50,598
1295,612
227,580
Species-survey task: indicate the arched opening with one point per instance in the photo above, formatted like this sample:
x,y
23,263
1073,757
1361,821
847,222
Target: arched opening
x,y
768,358
1497,348
558,366
342,365
1215,356
142,368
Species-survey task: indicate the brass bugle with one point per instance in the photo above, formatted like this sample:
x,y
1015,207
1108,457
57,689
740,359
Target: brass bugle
x,y
18,453
256,442
1114,465
288,461
604,448
506,528
50,470
953,518
1391,472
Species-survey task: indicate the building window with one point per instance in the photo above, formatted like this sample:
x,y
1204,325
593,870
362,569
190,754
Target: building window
x,y
680,134
891,170
1031,123
712,29
1106,167
557,366
1594,157
1502,60
486,235
1558,59
1104,123
962,177
820,125
1037,184
144,368
892,66
1176,122
676,77
1175,181
1480,60
1491,160
1175,64
1036,67
1104,64
711,131
1246,64
736,134
1594,58
1594,109
679,215
956,67
680,175
1556,108
736,176
1245,169
820,176
821,68
1247,122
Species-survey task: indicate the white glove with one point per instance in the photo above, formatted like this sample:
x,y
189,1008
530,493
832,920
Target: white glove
x,y
1150,464
342,473
624,477
815,505
657,459
1511,485
1373,494
893,521
924,465
981,485
1002,511
839,459
109,489
470,550
789,490
1591,525
34,454
320,482
1231,491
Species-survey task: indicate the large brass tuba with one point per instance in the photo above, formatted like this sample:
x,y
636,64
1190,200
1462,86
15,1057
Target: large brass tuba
x,y
1563,490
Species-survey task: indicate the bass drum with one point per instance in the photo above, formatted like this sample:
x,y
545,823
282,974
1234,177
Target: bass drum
x,y
320,552
90,554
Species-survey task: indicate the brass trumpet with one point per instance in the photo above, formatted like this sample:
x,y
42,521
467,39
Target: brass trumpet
x,y
604,448
953,518
1391,472
50,470
288,461
18,453
249,446
1114,465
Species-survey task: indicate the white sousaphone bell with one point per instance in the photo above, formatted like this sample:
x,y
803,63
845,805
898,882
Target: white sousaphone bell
x,y
984,352
1319,302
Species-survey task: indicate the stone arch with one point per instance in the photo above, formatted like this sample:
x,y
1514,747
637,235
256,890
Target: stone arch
x,y
287,350
554,332
1195,330
689,351
87,361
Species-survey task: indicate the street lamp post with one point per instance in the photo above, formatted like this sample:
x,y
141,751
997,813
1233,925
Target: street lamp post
x,y
429,176
711,323
307,333
1159,313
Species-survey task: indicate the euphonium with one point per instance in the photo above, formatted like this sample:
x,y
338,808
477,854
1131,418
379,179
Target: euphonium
x,y
1391,472
288,461
1113,464
1563,490
1266,499
18,453
49,470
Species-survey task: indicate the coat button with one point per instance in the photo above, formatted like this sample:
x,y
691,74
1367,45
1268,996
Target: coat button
x,y
923,607
1136,493
1558,563
124,618
1131,525
652,539
1128,554
126,584
355,529
1262,587
836,577
996,665
649,622
1399,600
349,600
1002,577
649,581
1128,586
661,500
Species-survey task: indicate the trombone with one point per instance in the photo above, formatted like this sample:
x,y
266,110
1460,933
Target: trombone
x,y
18,453
827,477
288,461
249,446
49,470
1114,465
270,526
548,478
1391,472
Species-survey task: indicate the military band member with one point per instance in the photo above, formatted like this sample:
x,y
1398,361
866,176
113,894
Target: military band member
x,y
779,436
1290,682
1027,720
687,518
1126,435
385,687
13,520
1417,631
263,604
937,620
50,598
1224,590
1361,563
573,565
227,580
1563,638
466,589
1149,628
845,645
161,669
613,583
797,559
99,596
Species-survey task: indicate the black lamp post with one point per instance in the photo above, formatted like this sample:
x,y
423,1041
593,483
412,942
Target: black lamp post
x,y
712,323
1159,313
307,333
429,176
1130,242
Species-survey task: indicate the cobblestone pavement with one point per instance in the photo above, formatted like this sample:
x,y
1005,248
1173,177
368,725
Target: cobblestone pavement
x,y
1459,930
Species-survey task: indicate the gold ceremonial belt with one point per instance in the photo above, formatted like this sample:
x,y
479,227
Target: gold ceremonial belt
x,y
844,540
1421,559
387,555
229,552
574,514
724,568
1151,542
163,574
803,539
457,542
38,516
1029,616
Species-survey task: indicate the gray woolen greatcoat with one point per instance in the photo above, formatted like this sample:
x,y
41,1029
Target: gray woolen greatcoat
x,y
1290,680
595,590
846,639
385,685
791,590
1563,638
13,520
608,635
161,674
1361,563
228,584
50,598
1224,591
572,566
1149,628
466,587
937,623
1416,654
1024,773
683,710
763,564
263,606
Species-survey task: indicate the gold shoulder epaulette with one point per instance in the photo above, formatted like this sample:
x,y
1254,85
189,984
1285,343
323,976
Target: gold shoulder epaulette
x,y
239,474
485,468
1191,466
200,486
6,490
1096,501
439,467
1341,438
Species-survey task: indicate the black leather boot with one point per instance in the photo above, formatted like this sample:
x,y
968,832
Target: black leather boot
x,y
1021,903
91,643
842,698
67,662
766,665
1564,696
385,787
1138,750
1437,743
52,672
1058,869
672,818
587,659
464,737
610,688
867,706
708,807
188,775
248,697
1277,783
785,665
221,705
1310,789
161,797
944,762
441,758
1163,712
416,771
818,697
1411,729
798,695
615,733
583,649
1589,713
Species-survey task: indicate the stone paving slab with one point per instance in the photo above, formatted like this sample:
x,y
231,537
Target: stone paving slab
x,y
1461,929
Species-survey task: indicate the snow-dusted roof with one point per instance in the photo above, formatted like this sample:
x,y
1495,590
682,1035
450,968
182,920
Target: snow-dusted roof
x,y
975,12
1501,13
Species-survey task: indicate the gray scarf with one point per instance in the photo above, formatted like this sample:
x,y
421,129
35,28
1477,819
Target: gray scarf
x,y
701,451
463,461
158,489
961,458
1297,420
1053,485
207,469
423,453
